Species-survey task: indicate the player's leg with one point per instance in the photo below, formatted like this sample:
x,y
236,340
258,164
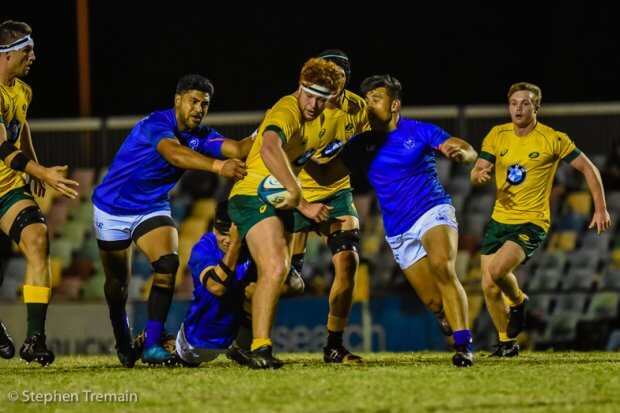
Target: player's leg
x,y
25,225
343,241
270,245
299,247
114,242
500,271
425,286
157,238
440,243
7,347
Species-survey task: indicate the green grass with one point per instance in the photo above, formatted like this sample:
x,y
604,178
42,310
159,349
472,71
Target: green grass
x,y
388,382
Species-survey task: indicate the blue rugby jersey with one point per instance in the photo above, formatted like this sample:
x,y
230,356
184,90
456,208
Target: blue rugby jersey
x,y
400,166
212,321
140,178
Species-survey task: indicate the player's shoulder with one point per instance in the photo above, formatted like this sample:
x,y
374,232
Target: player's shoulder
x,y
502,128
285,109
159,116
206,243
25,87
548,132
355,103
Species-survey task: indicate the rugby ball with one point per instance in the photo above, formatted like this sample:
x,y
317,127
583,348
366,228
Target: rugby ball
x,y
271,191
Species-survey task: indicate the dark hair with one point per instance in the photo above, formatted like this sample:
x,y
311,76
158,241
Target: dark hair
x,y
222,220
340,58
195,82
395,90
11,30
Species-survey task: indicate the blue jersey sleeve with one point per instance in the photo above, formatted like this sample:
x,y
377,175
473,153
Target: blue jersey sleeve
x,y
205,253
156,127
434,135
348,154
211,145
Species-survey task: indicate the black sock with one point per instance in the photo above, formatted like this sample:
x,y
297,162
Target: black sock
x,y
37,313
244,336
116,297
334,338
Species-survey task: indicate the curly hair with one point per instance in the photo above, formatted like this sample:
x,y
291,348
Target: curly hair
x,y
322,72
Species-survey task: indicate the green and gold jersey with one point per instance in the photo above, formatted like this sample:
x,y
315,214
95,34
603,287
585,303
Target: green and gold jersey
x,y
300,140
337,126
524,170
14,102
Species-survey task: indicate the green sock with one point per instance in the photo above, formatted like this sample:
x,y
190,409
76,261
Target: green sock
x,y
36,318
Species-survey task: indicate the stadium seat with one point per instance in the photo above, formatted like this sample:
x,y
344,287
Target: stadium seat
x,y
83,213
571,303
480,204
562,328
193,228
580,202
63,249
610,279
444,165
75,232
462,263
584,259
86,179
540,306
578,279
459,185
545,279
56,265
603,306
93,288
475,224
593,241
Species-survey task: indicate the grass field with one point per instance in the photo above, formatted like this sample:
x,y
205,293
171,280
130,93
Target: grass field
x,y
388,382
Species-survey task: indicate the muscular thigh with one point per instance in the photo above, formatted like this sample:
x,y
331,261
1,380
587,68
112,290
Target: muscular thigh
x,y
159,242
269,243
7,220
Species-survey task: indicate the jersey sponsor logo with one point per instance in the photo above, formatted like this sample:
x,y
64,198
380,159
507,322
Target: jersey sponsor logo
x,y
304,141
262,208
524,237
303,158
12,130
371,148
503,152
24,108
322,133
192,143
332,148
349,127
515,174
533,155
409,143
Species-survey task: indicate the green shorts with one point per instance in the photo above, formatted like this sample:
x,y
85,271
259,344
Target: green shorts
x,y
529,236
342,203
247,211
12,197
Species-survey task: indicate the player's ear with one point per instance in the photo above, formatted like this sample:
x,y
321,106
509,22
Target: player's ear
x,y
395,105
177,100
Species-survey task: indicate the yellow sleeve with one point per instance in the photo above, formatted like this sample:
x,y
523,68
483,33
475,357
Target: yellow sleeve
x,y
489,145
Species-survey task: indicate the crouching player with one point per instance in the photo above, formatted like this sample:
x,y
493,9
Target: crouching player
x,y
224,276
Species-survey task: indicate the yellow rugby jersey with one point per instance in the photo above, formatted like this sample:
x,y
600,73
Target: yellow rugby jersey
x,y
14,102
524,170
338,125
300,141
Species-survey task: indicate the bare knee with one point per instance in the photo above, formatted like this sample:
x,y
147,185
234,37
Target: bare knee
x,y
489,287
497,271
346,264
443,269
34,243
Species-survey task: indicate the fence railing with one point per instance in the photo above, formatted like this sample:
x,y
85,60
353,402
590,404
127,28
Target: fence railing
x,y
93,142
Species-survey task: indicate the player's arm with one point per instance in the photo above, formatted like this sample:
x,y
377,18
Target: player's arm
x,y
185,158
276,161
481,172
18,161
327,173
28,150
458,150
218,278
238,149
601,217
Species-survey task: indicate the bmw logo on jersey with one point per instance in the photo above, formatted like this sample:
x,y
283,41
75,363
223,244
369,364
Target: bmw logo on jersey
x,y
303,158
331,149
515,174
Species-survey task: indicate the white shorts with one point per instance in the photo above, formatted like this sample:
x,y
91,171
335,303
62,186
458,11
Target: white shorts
x,y
194,355
110,227
407,247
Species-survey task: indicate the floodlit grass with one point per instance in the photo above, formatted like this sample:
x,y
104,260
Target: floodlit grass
x,y
388,382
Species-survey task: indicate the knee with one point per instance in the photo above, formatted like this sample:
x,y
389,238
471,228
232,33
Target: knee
x,y
166,264
497,271
35,244
443,269
489,288
276,270
346,263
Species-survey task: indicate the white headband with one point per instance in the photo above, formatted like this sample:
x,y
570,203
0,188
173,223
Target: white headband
x,y
317,90
17,44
